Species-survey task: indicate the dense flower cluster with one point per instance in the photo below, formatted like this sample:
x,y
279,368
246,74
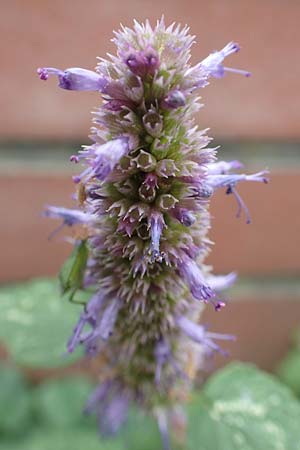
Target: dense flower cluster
x,y
143,199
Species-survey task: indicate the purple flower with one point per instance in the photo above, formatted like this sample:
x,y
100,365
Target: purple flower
x,y
156,225
186,217
163,426
163,356
88,317
200,335
105,325
110,401
230,180
193,276
221,282
75,78
173,100
101,159
70,216
225,180
142,63
223,167
212,64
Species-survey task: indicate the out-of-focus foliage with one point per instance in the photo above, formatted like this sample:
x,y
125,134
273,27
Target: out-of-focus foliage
x,y
62,439
59,403
15,411
239,408
35,323
242,407
289,368
289,371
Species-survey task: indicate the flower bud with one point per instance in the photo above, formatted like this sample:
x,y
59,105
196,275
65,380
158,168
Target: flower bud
x,y
175,99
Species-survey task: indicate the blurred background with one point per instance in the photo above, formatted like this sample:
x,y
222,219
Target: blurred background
x,y
255,120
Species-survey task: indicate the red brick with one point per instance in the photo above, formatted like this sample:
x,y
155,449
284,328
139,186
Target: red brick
x,y
69,33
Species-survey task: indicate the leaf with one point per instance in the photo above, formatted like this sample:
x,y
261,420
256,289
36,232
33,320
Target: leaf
x,y
289,371
35,323
62,439
244,408
140,432
72,272
59,403
15,410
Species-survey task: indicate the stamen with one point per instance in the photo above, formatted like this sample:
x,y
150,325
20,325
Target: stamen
x,y
241,204
238,71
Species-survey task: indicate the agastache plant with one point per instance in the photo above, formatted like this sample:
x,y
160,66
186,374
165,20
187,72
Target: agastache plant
x,y
143,197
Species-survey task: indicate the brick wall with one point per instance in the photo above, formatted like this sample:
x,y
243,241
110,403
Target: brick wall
x,y
68,33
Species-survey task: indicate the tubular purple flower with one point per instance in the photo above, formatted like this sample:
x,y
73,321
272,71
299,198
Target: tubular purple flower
x,y
230,180
101,159
221,282
88,317
156,225
105,326
225,180
115,414
193,276
97,397
212,64
163,356
110,401
199,334
223,167
69,216
75,78
163,426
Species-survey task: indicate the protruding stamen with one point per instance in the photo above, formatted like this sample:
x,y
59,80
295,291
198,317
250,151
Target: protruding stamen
x,y
213,63
199,334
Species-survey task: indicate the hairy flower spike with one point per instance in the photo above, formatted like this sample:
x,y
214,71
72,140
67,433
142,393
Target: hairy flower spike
x,y
143,196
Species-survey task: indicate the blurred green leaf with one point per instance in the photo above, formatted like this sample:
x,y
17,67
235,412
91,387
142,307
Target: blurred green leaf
x,y
35,323
244,408
72,272
59,403
289,371
140,432
62,439
15,408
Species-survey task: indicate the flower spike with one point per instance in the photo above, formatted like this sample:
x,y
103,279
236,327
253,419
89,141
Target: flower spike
x,y
143,194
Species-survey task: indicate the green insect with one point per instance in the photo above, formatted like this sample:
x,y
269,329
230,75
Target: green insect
x,y
72,272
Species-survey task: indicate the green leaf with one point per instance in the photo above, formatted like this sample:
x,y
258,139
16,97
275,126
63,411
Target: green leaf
x,y
59,403
289,371
140,432
15,410
244,408
62,439
35,323
72,272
